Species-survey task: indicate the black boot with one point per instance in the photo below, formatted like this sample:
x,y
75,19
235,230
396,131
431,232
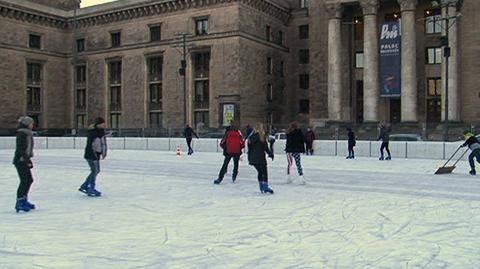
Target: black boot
x,y
21,205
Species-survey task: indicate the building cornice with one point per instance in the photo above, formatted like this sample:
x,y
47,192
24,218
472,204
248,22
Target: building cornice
x,y
130,12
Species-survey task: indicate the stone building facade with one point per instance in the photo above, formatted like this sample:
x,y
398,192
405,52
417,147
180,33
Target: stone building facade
x,y
272,61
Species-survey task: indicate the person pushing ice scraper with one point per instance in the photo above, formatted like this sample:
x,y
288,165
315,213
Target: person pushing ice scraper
x,y
95,150
474,145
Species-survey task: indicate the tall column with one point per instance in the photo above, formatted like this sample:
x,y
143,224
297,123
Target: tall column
x,y
334,12
409,61
370,70
453,100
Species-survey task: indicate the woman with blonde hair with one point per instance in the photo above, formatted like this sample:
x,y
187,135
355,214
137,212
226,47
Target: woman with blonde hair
x,y
295,146
257,147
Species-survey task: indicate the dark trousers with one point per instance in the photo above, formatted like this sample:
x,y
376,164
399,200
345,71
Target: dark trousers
x,y
189,144
309,148
92,177
384,146
471,158
262,172
271,146
226,161
26,179
351,152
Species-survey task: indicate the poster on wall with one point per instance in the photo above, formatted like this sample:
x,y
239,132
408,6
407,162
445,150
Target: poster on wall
x,y
390,59
228,114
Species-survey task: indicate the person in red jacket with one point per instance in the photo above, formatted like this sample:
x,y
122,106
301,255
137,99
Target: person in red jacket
x,y
232,145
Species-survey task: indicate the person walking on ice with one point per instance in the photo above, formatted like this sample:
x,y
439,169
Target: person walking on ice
x,y
385,137
257,147
294,147
309,139
95,150
232,145
189,133
474,145
23,163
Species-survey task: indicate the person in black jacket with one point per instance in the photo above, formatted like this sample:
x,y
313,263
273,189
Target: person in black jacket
x,y
95,150
351,144
257,147
385,137
189,133
23,163
294,147
474,145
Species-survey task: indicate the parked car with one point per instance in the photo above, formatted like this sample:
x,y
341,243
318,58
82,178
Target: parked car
x,y
406,137
280,136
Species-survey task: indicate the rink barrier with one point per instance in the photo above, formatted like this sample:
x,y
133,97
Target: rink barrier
x,y
410,150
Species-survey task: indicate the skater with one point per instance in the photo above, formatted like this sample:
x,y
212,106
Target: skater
x,y
474,145
95,150
351,144
257,147
189,133
232,145
271,138
23,163
248,131
385,137
309,138
294,147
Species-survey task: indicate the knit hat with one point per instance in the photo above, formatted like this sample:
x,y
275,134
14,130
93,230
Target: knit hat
x,y
99,120
26,120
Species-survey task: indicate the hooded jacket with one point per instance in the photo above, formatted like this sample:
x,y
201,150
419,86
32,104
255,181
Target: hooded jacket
x,y
96,147
24,146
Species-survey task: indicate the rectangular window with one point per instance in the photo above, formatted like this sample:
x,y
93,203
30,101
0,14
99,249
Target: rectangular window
x,y
116,39
155,85
81,45
115,98
81,121
34,41
282,69
434,86
81,99
155,120
359,60
433,22
155,33
115,95
80,74
434,55
304,56
201,64
34,99
303,31
202,99
34,73
304,81
268,33
280,38
304,106
115,72
269,66
115,120
304,3
269,92
201,26
202,119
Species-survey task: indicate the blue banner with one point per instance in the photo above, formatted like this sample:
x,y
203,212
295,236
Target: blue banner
x,y
390,59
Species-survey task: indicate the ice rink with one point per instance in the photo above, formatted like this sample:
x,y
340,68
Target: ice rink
x,y
162,211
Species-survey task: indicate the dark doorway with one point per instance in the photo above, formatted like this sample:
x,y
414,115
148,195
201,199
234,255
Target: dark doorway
x,y
359,102
395,110
434,110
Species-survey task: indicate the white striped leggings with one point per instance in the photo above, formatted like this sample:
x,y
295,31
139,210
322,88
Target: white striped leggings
x,y
290,157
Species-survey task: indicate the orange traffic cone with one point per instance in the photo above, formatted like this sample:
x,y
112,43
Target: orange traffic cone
x,y
179,151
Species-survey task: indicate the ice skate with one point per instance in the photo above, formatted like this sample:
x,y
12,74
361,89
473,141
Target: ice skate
x,y
217,181
21,205
473,172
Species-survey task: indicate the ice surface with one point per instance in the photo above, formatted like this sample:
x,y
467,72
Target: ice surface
x,y
162,211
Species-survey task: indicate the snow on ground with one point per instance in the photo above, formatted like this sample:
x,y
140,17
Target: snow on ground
x,y
162,211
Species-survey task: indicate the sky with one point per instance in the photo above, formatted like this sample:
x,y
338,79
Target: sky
x,y
86,3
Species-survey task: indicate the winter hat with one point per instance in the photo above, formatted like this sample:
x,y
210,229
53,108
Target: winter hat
x,y
99,120
26,121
